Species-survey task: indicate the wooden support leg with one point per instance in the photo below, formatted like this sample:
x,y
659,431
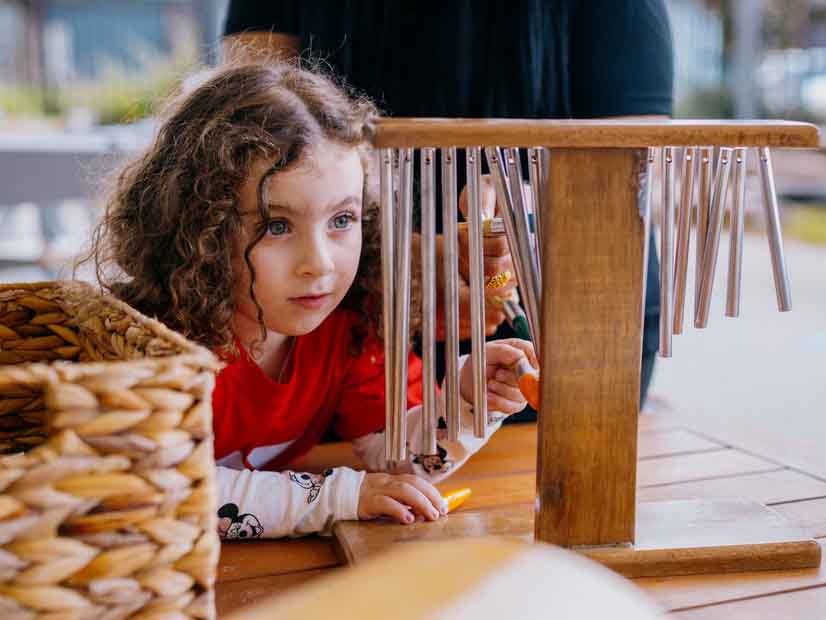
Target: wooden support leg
x,y
593,240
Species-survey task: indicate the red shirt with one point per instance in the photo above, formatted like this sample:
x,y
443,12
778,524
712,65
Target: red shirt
x,y
327,384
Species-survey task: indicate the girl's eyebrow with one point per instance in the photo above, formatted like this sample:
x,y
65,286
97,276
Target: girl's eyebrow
x,y
332,207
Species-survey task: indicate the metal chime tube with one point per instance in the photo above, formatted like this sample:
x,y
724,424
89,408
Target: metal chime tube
x,y
683,237
477,301
532,284
666,251
388,288
505,199
428,247
781,276
451,276
706,160
535,174
735,254
521,213
712,242
401,329
647,187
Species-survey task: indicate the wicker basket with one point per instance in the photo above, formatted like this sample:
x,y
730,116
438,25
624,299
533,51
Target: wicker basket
x,y
106,466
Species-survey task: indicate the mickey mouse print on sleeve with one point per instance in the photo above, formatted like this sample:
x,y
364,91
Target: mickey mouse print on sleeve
x,y
265,504
232,525
311,483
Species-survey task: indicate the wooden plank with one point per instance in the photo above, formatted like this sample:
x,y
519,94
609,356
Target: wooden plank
x,y
512,449
246,560
672,538
590,350
810,515
233,595
800,605
709,536
358,540
669,443
771,487
511,438
483,580
766,439
590,134
767,488
676,593
687,467
493,491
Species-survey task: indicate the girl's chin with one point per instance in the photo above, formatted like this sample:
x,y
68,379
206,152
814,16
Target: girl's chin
x,y
300,327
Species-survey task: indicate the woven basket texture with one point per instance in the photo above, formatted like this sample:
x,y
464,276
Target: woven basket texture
x,y
107,477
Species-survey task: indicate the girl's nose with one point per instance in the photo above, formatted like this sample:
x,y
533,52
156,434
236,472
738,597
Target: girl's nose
x,y
317,258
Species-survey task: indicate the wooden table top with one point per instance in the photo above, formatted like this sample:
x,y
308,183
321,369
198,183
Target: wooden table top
x,y
677,460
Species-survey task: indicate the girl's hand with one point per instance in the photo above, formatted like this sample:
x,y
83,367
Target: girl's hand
x,y
399,496
501,357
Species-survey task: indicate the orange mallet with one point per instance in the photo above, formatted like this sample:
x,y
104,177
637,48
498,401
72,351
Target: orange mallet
x,y
455,499
528,379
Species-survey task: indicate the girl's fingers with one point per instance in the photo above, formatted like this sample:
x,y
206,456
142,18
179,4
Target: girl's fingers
x,y
507,352
387,506
505,391
407,493
524,346
505,405
502,375
428,490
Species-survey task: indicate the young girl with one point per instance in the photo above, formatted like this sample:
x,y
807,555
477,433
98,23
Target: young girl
x,y
246,227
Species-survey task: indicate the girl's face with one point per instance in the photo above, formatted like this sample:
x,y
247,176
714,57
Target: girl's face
x,y
308,257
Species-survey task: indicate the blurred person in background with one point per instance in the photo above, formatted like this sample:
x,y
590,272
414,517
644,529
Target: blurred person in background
x,y
482,59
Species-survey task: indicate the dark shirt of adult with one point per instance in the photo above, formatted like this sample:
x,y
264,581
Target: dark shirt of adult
x,y
488,58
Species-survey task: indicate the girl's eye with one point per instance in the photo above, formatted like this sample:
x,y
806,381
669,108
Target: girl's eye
x,y
342,221
278,227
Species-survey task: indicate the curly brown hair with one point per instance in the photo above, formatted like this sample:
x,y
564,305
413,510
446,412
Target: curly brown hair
x,y
172,223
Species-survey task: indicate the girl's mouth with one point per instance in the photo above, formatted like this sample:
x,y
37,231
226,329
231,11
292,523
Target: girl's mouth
x,y
311,301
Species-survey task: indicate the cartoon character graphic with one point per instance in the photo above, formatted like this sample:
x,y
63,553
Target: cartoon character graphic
x,y
311,482
433,462
232,526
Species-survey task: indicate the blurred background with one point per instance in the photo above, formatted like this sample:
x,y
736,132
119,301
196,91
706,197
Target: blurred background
x,y
79,80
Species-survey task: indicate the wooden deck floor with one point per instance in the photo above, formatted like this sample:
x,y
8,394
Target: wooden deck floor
x,y
677,461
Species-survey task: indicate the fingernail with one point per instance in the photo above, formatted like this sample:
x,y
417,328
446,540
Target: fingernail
x,y
444,506
408,518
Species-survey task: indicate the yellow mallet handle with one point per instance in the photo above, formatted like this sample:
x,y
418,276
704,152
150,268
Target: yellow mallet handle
x,y
455,499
